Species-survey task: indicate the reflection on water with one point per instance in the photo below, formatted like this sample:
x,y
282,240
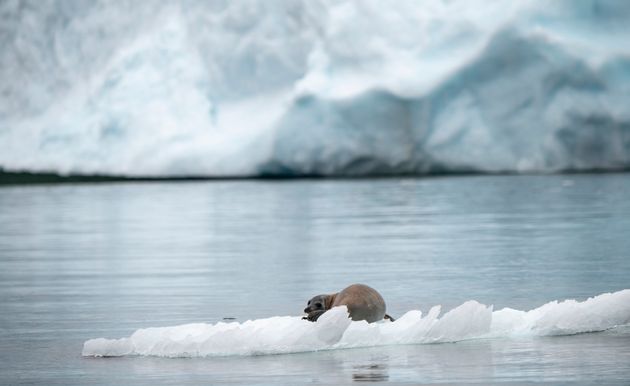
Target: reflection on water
x,y
370,373
83,261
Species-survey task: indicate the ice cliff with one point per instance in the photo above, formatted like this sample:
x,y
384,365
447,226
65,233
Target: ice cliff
x,y
313,87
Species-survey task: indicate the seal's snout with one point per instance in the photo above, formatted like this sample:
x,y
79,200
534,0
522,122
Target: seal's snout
x,y
307,310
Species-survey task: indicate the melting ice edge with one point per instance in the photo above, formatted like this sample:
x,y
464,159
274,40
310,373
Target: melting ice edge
x,y
334,330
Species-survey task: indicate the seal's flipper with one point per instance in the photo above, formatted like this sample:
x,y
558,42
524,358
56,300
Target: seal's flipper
x,y
389,317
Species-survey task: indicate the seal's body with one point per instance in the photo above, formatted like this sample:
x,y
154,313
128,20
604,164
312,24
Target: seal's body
x,y
363,303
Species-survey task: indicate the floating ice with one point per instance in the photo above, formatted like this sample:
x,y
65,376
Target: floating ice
x,y
334,330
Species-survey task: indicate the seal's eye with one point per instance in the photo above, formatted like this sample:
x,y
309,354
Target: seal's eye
x,y
309,303
318,305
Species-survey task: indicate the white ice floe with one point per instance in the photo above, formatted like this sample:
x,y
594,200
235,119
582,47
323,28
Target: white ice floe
x,y
334,330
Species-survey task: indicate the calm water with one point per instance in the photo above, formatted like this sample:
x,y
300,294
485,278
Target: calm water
x,y
102,260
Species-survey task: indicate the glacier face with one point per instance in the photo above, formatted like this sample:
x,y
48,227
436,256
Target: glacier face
x,y
313,87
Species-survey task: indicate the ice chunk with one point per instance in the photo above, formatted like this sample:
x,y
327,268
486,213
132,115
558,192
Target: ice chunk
x,y
565,318
334,329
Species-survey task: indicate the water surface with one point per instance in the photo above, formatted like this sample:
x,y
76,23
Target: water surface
x,y
79,261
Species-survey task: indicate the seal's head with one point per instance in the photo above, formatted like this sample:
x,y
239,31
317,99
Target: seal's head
x,y
318,303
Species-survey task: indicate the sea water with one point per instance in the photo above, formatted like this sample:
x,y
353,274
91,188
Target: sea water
x,y
80,262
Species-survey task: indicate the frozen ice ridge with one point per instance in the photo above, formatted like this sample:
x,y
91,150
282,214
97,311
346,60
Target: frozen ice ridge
x,y
314,87
334,330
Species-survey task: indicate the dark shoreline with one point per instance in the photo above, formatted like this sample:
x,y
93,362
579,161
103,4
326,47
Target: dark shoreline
x,y
38,178
35,178
29,178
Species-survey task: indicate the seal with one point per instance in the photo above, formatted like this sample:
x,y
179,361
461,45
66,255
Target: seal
x,y
363,302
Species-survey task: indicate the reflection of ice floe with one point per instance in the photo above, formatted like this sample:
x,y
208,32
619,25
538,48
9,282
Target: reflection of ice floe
x,y
334,330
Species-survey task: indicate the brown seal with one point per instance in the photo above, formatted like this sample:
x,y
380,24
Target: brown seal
x,y
363,302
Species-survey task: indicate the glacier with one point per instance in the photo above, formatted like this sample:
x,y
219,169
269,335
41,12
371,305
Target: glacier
x,y
334,330
313,87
